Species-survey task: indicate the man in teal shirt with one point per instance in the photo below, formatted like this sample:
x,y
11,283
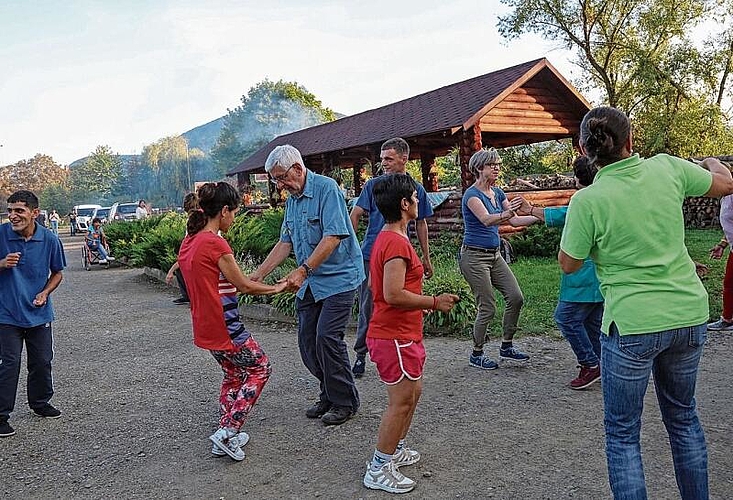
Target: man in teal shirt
x,y
317,229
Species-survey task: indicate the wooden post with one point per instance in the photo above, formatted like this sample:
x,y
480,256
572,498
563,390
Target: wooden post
x,y
376,150
470,143
427,164
358,176
242,181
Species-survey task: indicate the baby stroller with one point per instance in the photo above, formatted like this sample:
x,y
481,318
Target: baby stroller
x,y
90,255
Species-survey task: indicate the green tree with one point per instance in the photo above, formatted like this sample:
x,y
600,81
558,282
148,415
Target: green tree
x,y
173,166
640,53
34,174
268,110
57,197
95,178
541,158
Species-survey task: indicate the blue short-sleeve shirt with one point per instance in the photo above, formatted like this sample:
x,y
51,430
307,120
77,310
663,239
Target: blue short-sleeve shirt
x,y
376,220
41,255
320,210
476,234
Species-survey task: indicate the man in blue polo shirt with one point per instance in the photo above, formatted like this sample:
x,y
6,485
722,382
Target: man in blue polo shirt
x,y
30,269
393,156
316,228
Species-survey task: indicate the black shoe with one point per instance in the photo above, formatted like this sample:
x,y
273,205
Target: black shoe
x,y
359,366
337,415
47,411
318,410
181,300
5,429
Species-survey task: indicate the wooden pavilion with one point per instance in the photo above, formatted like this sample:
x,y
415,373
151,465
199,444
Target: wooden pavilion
x,y
524,104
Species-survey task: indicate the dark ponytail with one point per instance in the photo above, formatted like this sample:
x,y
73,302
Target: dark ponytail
x,y
603,134
584,170
211,197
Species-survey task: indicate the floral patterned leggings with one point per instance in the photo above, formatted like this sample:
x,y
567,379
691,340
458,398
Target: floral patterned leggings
x,y
246,370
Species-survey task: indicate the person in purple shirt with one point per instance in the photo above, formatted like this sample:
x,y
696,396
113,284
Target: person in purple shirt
x,y
31,261
394,155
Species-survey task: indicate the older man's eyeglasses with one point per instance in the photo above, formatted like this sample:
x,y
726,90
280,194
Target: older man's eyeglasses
x,y
492,165
281,178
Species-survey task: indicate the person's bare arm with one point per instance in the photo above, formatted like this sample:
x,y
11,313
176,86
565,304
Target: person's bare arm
x,y
479,210
355,216
421,227
567,263
54,280
323,251
722,180
279,253
171,273
234,275
396,295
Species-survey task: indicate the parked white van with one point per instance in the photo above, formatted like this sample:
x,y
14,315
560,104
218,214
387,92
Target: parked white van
x,y
84,216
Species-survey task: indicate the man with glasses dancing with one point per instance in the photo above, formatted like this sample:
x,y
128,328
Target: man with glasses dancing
x,y
317,229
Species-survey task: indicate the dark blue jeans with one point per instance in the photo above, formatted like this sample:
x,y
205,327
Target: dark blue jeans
x,y
39,345
366,306
580,324
626,363
321,326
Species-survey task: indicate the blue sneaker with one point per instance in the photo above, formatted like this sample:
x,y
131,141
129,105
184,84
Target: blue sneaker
x,y
512,353
482,362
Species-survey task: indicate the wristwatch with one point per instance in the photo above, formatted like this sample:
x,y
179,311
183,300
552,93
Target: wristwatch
x,y
308,269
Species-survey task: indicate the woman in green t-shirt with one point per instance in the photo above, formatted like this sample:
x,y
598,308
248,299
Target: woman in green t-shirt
x,y
630,222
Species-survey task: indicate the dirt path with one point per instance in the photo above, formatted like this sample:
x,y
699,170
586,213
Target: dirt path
x,y
139,401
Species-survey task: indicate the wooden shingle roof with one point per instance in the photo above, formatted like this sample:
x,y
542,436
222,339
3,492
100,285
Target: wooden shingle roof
x,y
434,117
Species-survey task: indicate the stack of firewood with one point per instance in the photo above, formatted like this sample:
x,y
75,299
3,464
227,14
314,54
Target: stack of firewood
x,y
542,181
701,212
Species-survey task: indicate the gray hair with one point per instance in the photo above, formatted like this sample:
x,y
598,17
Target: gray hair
x,y
481,158
284,156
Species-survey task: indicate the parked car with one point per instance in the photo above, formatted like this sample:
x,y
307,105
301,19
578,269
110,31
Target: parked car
x,y
84,216
102,214
122,212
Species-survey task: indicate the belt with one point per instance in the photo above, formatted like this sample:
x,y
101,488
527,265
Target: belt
x,y
482,250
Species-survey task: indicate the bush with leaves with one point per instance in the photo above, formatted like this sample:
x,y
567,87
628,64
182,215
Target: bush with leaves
x,y
152,242
537,240
461,317
255,235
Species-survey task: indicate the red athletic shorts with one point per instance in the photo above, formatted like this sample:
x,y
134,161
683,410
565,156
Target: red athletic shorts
x,y
396,359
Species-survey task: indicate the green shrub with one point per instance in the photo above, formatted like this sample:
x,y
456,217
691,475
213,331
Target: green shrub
x,y
255,235
285,303
537,240
461,317
152,242
444,248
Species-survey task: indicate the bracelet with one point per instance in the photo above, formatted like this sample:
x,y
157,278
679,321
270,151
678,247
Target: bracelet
x,y
435,303
723,243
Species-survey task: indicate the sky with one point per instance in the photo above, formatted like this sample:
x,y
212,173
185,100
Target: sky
x,y
124,73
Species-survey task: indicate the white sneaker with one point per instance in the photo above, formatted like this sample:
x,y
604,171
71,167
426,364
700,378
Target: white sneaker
x,y
222,439
110,258
102,261
388,478
405,456
239,440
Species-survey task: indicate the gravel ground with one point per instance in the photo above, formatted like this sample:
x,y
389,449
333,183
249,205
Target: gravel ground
x,y
139,402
